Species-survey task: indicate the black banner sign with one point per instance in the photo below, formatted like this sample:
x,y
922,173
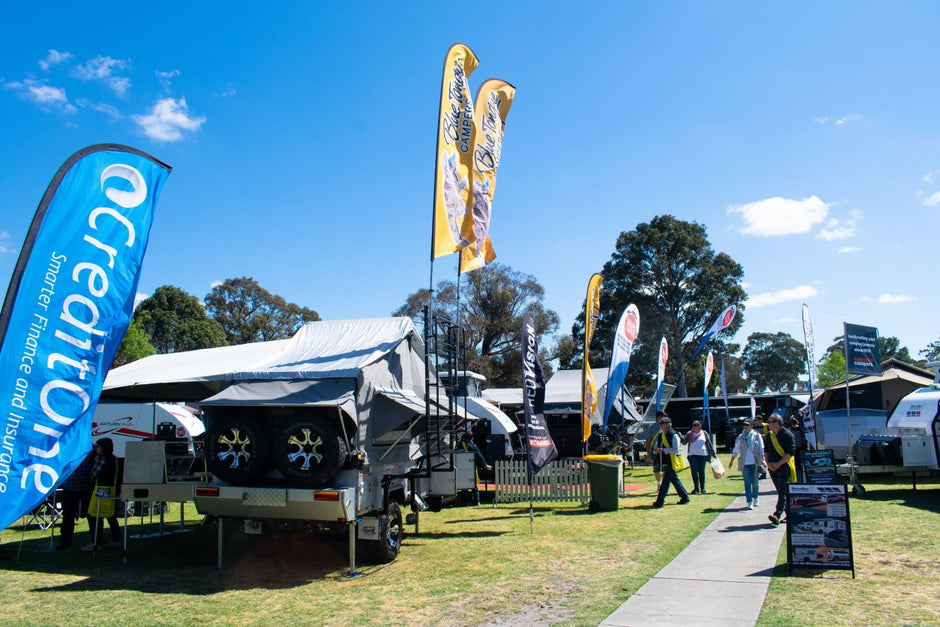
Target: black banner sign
x,y
862,353
819,467
819,533
541,446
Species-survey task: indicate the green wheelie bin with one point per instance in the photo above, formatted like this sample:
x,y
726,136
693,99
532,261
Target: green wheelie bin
x,y
606,476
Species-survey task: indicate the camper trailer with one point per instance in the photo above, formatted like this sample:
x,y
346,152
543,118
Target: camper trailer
x,y
329,429
911,439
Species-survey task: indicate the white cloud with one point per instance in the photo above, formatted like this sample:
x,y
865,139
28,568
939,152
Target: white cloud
x,y
891,299
165,77
799,292
103,69
54,58
167,120
215,284
929,177
42,94
108,110
781,216
846,119
849,249
836,229
229,91
928,201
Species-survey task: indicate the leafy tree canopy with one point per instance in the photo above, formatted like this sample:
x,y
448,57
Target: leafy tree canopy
x,y
932,352
176,321
135,345
493,301
249,313
668,268
831,370
773,361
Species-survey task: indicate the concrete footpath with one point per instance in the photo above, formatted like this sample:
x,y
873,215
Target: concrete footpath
x,y
721,578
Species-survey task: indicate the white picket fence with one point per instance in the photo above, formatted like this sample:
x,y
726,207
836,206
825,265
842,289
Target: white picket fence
x,y
560,480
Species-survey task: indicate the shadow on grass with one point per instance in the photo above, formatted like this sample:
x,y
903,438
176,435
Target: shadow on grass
x,y
921,498
186,563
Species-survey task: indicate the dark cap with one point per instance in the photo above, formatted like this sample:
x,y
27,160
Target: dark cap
x,y
660,413
666,418
747,421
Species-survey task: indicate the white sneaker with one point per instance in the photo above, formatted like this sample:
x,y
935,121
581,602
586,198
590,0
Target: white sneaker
x,y
89,547
756,504
749,506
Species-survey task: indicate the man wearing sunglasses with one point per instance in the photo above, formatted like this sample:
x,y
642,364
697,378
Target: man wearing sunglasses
x,y
779,451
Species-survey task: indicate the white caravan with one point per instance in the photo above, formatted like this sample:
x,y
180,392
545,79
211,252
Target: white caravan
x,y
133,422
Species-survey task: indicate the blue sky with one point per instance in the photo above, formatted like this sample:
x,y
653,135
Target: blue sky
x,y
804,136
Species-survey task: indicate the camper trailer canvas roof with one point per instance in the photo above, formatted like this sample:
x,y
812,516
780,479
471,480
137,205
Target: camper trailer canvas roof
x,y
319,350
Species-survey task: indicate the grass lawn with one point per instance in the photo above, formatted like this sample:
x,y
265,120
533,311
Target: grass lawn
x,y
468,566
896,546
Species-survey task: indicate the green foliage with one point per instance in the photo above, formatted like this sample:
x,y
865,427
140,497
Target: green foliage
x,y
831,370
176,321
668,268
932,352
493,301
773,361
249,313
135,345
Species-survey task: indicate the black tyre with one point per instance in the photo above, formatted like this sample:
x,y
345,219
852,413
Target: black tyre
x,y
309,451
236,450
391,532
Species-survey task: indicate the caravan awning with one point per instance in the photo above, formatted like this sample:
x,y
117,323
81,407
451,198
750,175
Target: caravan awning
x,y
311,393
479,408
408,400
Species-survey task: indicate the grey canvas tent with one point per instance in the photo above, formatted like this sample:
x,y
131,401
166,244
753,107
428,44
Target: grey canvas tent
x,y
369,374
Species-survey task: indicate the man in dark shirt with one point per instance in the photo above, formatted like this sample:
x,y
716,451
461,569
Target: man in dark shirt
x,y
76,493
779,449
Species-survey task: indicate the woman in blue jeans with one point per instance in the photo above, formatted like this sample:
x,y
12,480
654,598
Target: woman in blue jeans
x,y
749,451
699,452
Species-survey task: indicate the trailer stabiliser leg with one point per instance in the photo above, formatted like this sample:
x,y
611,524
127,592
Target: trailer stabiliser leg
x,y
352,550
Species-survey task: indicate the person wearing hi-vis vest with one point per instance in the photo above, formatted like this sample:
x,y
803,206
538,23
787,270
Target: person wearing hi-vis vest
x,y
666,445
102,504
779,450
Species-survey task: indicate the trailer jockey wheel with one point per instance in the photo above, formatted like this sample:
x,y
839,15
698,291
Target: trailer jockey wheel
x,y
309,451
858,490
236,450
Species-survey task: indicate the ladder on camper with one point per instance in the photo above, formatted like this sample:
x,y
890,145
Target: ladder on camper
x,y
443,340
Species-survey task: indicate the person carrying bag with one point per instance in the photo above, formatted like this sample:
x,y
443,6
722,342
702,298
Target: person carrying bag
x,y
718,469
666,442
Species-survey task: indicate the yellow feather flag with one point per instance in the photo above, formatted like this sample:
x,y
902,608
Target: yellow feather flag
x,y
452,224
492,107
592,310
470,259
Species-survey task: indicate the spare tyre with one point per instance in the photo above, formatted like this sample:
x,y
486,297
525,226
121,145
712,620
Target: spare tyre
x,y
309,451
236,450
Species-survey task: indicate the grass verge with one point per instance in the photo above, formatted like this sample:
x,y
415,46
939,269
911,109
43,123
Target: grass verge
x,y
468,566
